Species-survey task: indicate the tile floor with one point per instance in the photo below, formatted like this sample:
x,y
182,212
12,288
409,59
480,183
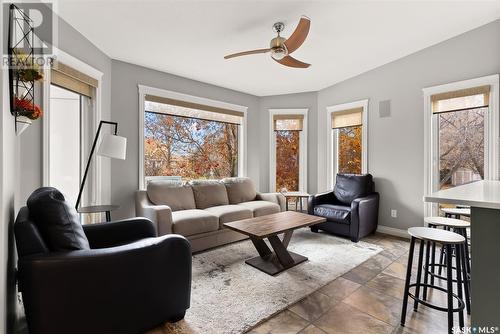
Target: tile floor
x,y
365,300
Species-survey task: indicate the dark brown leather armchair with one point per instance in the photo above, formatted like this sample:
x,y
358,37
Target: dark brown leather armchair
x,y
351,209
115,277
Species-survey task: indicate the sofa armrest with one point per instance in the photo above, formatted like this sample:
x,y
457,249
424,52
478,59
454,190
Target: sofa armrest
x,y
277,198
160,215
106,287
119,232
364,215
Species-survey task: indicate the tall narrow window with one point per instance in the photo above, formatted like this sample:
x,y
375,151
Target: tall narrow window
x,y
460,117
347,126
287,129
189,140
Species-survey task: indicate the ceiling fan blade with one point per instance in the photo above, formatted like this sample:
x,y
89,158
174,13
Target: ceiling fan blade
x,y
292,62
299,35
244,53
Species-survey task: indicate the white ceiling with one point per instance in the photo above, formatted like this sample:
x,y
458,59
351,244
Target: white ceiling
x,y
190,38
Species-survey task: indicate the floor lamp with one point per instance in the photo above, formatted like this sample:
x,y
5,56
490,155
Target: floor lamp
x,y
112,146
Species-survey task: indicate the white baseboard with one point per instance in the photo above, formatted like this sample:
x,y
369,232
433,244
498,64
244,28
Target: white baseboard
x,y
393,231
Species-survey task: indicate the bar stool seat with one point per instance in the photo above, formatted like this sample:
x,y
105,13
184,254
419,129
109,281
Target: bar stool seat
x,y
436,235
457,212
428,237
448,222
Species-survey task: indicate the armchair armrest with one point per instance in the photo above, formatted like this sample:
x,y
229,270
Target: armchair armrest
x,y
160,215
119,232
122,289
321,198
273,197
364,215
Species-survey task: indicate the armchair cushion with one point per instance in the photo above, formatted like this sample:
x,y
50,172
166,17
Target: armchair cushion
x,y
239,189
189,222
175,195
208,193
351,186
336,213
57,221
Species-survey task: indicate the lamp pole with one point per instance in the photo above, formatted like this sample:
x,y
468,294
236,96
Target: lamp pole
x,y
90,158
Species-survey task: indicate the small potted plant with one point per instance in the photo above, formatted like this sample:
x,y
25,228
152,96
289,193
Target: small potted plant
x,y
26,112
27,70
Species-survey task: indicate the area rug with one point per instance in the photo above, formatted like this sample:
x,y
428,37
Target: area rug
x,y
229,296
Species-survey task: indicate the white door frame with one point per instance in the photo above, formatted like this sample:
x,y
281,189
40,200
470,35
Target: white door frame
x,y
331,139
302,148
242,136
431,136
96,167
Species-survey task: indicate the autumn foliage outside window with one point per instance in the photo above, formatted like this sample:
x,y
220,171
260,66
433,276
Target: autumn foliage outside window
x,y
189,147
349,150
287,160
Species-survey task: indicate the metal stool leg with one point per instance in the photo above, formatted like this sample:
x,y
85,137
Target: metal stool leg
x,y
426,273
419,273
407,282
458,264
449,282
465,278
433,261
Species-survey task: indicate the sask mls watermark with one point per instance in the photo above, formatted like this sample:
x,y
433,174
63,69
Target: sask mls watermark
x,y
30,34
475,330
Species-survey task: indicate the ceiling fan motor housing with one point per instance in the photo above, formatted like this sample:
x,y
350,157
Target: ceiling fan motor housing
x,y
278,48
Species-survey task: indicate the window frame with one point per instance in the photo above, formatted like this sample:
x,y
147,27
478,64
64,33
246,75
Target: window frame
x,y
431,134
242,135
332,138
302,147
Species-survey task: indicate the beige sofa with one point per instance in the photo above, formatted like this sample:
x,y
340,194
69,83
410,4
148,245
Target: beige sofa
x,y
198,209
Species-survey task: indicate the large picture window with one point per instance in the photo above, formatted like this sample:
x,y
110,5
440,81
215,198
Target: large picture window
x,y
189,140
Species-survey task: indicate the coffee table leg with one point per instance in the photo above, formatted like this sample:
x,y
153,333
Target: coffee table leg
x,y
281,253
286,238
261,247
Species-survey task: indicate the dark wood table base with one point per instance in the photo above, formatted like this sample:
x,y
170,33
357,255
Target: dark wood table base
x,y
273,263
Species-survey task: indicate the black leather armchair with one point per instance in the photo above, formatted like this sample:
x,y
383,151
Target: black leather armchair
x,y
351,209
129,280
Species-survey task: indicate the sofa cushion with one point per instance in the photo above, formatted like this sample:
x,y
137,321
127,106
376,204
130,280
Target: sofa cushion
x,y
229,213
261,208
190,222
239,189
57,220
208,193
176,195
336,213
348,187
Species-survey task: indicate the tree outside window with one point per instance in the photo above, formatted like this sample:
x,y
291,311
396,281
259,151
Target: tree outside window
x,y
287,160
349,150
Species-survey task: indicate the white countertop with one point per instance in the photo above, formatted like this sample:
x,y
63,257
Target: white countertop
x,y
482,194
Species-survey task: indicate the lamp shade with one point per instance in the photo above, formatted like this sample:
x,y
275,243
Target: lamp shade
x,y
113,146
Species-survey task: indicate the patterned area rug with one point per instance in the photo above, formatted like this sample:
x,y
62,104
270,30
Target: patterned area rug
x,y
229,296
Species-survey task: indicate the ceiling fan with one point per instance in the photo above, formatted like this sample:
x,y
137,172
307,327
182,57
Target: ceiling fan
x,y
281,47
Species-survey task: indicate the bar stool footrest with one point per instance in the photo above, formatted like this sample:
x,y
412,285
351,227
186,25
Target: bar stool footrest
x,y
461,304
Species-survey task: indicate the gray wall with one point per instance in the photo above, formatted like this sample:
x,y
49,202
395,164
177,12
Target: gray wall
x,y
307,100
396,144
125,110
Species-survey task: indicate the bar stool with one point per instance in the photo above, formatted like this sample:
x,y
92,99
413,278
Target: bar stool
x,y
456,212
460,227
448,239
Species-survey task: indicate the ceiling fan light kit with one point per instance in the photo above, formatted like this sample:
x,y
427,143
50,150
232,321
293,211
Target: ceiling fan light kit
x,y
281,47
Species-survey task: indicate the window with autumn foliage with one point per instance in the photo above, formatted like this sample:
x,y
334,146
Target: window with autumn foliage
x,y
289,144
348,133
189,142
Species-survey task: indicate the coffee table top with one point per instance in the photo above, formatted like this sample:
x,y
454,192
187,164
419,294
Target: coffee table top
x,y
266,226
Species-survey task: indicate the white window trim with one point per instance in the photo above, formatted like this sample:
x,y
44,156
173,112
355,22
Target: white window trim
x,y
331,142
431,158
302,147
242,140
96,168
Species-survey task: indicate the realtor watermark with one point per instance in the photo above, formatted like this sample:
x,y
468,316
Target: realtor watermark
x,y
31,32
475,330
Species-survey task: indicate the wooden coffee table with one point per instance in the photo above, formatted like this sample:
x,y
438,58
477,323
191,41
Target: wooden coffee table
x,y
269,227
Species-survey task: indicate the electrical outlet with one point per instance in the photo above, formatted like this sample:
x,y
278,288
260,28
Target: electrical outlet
x,y
394,213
